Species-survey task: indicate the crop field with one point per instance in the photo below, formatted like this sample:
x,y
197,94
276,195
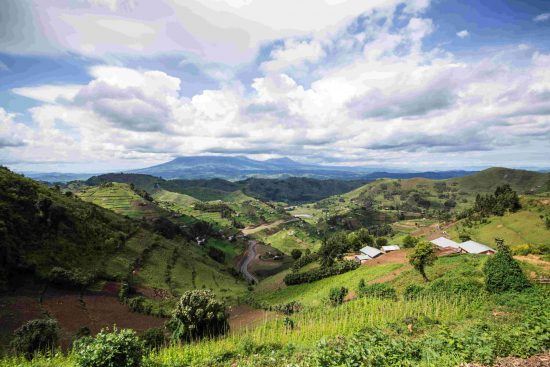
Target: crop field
x,y
119,198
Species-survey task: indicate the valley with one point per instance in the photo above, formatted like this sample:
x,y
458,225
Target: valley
x,y
122,248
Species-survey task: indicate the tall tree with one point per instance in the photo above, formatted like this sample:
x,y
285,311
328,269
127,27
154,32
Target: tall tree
x,y
422,256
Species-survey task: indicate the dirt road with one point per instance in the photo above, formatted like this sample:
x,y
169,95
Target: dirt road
x,y
250,255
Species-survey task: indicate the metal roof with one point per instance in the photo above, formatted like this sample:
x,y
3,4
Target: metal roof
x,y
390,248
444,242
371,251
363,257
473,247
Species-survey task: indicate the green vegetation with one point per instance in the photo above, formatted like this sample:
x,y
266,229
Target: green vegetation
x,y
336,295
35,336
121,348
198,314
422,256
503,273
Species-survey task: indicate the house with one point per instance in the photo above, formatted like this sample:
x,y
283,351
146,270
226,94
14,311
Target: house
x,y
361,259
473,247
443,242
370,251
390,248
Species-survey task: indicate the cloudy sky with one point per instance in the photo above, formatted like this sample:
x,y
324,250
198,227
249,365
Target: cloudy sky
x,y
99,85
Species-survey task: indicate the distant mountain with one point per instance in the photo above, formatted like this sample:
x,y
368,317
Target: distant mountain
x,y
239,168
57,176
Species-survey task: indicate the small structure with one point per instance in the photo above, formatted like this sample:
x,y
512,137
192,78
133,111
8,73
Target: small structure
x,y
473,247
390,248
443,243
370,251
361,259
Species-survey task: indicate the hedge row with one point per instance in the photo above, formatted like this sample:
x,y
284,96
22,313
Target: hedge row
x,y
320,273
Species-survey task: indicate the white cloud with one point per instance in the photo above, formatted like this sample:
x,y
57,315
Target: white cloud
x,y
463,34
294,54
229,31
12,134
542,17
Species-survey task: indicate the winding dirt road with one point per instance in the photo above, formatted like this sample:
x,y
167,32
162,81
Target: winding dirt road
x,y
250,255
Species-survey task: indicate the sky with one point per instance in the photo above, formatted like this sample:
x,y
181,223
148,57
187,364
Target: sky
x,y
108,85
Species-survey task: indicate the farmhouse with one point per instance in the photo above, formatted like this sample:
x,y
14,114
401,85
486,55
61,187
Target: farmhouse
x,y
472,247
390,248
443,243
370,251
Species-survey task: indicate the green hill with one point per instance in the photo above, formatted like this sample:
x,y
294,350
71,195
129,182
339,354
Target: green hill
x,y
524,182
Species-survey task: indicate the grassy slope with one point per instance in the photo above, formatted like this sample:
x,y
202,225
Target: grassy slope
x,y
120,198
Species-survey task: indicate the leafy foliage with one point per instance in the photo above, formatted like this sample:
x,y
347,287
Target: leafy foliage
x,y
296,254
320,273
35,336
376,290
198,314
333,248
336,295
409,241
422,256
119,348
503,273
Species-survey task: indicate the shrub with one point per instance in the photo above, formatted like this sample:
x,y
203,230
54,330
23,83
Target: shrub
x,y
124,291
377,290
287,308
153,338
464,287
336,295
34,336
381,241
413,291
69,278
502,272
320,273
198,314
296,254
216,254
409,241
304,260
119,348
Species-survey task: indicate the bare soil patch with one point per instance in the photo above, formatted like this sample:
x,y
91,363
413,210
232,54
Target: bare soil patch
x,y
244,316
542,360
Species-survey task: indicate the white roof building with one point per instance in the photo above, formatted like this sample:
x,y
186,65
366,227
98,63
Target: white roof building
x,y
443,242
371,251
473,247
390,248
362,257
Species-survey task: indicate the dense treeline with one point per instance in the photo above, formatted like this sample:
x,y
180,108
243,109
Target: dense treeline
x,y
320,273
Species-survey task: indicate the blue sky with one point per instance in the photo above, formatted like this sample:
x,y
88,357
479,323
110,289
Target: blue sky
x,y
99,85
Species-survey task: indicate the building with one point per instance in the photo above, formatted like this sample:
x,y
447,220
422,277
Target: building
x,y
370,251
444,243
473,247
390,248
361,259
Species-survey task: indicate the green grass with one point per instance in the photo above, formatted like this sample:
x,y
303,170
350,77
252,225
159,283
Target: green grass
x,y
314,294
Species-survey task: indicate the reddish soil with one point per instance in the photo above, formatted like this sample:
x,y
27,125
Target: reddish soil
x,y
243,316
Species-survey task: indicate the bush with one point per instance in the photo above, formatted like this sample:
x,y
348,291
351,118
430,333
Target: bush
x,y
336,295
153,338
216,254
454,287
409,241
296,254
119,348
198,314
503,273
320,273
413,291
381,241
288,309
377,290
304,260
69,278
34,336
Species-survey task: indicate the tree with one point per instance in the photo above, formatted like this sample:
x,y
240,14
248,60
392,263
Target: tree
x,y
333,249
296,254
121,348
409,241
502,271
422,256
381,241
38,335
359,239
198,314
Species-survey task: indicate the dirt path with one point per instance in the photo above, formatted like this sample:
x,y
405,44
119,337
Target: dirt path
x,y
250,255
251,230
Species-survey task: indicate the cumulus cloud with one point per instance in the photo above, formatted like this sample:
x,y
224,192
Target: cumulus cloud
x,y
542,17
463,34
389,97
230,31
12,134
